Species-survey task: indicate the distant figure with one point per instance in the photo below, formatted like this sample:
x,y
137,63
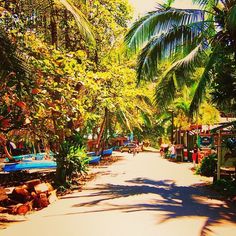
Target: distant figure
x,y
185,153
195,154
162,151
135,150
172,150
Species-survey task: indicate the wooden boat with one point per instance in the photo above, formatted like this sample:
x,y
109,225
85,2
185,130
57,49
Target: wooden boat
x,y
91,154
107,152
28,157
94,159
11,167
20,157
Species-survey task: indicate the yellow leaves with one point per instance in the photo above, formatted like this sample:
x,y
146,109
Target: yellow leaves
x,y
181,121
208,114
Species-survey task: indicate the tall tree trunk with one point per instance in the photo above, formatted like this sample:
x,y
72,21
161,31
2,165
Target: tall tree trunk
x,y
45,24
67,37
53,26
3,143
102,128
9,156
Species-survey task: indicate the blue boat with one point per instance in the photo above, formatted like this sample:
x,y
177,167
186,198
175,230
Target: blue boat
x,y
107,152
28,157
94,159
29,165
91,154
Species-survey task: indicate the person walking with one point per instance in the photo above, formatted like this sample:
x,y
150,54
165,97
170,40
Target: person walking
x,y
172,151
195,155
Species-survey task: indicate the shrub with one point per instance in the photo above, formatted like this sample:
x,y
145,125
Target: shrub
x,y
71,161
226,187
208,166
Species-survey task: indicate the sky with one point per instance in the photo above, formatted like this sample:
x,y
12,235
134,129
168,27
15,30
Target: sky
x,y
143,6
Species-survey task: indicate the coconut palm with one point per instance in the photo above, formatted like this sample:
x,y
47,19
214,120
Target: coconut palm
x,y
190,38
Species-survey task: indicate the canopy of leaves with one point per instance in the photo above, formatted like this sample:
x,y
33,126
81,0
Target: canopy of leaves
x,y
190,38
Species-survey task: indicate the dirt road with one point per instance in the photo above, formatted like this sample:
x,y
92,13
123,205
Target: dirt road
x,y
143,195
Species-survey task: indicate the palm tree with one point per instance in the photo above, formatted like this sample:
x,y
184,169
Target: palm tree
x,y
190,38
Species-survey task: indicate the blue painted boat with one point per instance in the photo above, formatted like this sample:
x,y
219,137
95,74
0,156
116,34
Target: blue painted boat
x,y
94,159
29,157
20,157
107,152
29,165
91,154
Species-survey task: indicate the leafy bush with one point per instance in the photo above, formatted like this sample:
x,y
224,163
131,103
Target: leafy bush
x,y
71,161
208,166
226,187
77,161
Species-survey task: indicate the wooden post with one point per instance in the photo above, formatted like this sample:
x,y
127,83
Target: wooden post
x,y
172,127
218,155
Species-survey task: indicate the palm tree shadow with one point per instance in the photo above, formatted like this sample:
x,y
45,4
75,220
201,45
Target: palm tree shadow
x,y
176,201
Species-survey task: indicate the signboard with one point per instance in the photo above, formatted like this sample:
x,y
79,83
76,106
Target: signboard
x,y
205,141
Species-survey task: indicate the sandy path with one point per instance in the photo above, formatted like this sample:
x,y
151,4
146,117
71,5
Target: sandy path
x,y
141,195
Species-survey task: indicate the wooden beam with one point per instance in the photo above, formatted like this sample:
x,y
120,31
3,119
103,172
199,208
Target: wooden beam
x,y
218,155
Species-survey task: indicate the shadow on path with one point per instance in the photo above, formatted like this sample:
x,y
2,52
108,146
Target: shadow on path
x,y
176,201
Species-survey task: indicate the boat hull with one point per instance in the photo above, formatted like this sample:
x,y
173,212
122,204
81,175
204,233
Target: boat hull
x,y
94,159
107,152
30,165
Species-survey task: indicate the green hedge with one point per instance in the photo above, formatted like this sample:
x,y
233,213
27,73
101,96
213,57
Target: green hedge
x,y
208,166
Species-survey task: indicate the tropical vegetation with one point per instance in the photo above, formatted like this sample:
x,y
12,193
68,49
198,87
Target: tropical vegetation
x,y
65,72
193,41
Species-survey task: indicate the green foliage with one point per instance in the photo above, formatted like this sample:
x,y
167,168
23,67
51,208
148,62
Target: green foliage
x,y
224,85
73,81
71,161
225,187
208,166
190,39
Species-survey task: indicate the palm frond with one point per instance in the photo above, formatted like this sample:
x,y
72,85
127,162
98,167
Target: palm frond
x,y
231,20
156,22
165,93
206,3
146,119
82,22
182,105
202,85
10,61
161,47
228,3
188,63
145,99
123,120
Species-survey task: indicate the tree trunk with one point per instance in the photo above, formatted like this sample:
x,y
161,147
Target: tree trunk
x,y
53,26
102,128
67,37
9,156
